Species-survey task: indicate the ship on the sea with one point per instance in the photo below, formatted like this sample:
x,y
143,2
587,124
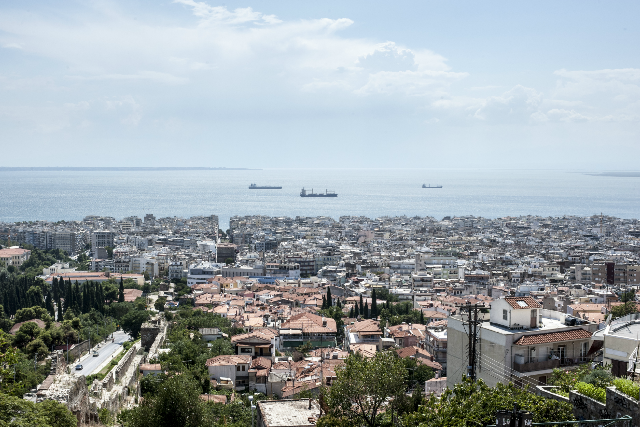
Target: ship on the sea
x,y
326,193
431,186
264,187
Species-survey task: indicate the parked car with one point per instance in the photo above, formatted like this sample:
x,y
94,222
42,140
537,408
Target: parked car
x,y
96,354
78,367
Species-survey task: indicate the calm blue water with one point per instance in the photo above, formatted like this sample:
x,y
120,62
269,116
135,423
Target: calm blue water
x,y
370,192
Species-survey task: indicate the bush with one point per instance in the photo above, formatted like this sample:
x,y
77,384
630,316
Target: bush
x,y
592,391
599,378
627,387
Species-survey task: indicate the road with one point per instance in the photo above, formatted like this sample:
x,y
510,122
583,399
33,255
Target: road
x,y
90,364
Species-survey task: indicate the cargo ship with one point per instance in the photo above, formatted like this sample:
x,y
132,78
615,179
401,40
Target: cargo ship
x,y
264,187
326,193
431,186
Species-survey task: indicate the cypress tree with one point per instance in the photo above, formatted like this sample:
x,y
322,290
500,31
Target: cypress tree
x,y
77,298
329,298
338,304
49,305
361,304
60,316
365,310
357,310
121,291
85,299
374,305
351,314
68,297
421,317
324,302
54,288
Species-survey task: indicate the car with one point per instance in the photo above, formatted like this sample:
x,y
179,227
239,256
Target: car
x,y
79,368
96,354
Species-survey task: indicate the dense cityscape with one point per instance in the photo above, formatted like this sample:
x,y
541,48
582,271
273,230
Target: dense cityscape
x,y
291,321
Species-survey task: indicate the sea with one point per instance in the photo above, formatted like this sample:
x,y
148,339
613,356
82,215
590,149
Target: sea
x,y
491,193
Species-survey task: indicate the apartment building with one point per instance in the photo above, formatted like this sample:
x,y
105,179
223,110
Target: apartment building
x,y
521,343
14,256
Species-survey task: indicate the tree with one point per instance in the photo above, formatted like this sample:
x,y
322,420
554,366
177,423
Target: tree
x,y
177,403
361,304
228,261
351,313
628,307
374,305
357,310
324,303
628,296
19,412
329,297
476,404
132,322
365,311
121,291
159,304
364,386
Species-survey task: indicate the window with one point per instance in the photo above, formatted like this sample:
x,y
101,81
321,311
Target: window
x,y
238,368
504,314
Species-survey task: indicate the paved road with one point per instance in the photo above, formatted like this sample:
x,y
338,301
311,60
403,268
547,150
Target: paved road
x,y
90,364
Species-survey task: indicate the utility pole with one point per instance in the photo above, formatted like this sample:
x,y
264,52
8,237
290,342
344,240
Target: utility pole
x,y
472,322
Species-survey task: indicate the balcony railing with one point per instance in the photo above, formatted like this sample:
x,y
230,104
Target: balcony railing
x,y
552,361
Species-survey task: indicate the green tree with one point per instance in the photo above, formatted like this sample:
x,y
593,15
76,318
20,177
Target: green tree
x,y
475,404
329,297
628,307
132,322
177,403
18,412
159,304
121,291
374,305
364,386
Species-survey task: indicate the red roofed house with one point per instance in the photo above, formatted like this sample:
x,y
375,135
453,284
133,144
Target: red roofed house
x,y
234,367
522,343
308,327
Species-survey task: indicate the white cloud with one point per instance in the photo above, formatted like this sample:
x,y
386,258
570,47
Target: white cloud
x,y
516,104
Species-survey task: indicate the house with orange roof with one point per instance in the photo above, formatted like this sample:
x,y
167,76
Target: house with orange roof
x,y
260,342
363,332
306,327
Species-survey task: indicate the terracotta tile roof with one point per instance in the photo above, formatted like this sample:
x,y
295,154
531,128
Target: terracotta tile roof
x,y
216,398
575,334
228,360
16,327
530,302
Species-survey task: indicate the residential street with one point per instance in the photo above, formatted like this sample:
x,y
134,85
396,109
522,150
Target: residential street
x,y
90,363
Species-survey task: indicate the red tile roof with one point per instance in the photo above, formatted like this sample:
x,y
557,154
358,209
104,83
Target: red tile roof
x,y
530,302
575,334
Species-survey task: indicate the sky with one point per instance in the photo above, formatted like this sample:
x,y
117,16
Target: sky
x,y
324,84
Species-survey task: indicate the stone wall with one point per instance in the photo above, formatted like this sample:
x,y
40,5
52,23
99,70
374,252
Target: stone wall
x,y
548,392
148,333
124,363
619,404
79,349
586,408
157,342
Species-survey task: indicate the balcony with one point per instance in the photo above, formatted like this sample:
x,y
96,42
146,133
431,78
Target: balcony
x,y
555,360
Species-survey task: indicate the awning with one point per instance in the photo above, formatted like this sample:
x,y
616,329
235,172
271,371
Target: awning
x,y
595,346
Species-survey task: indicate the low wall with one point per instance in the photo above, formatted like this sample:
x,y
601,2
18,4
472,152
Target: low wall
x,y
548,392
124,363
586,408
619,404
78,349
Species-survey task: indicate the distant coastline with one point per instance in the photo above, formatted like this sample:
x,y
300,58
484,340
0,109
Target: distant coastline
x,y
617,174
118,169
